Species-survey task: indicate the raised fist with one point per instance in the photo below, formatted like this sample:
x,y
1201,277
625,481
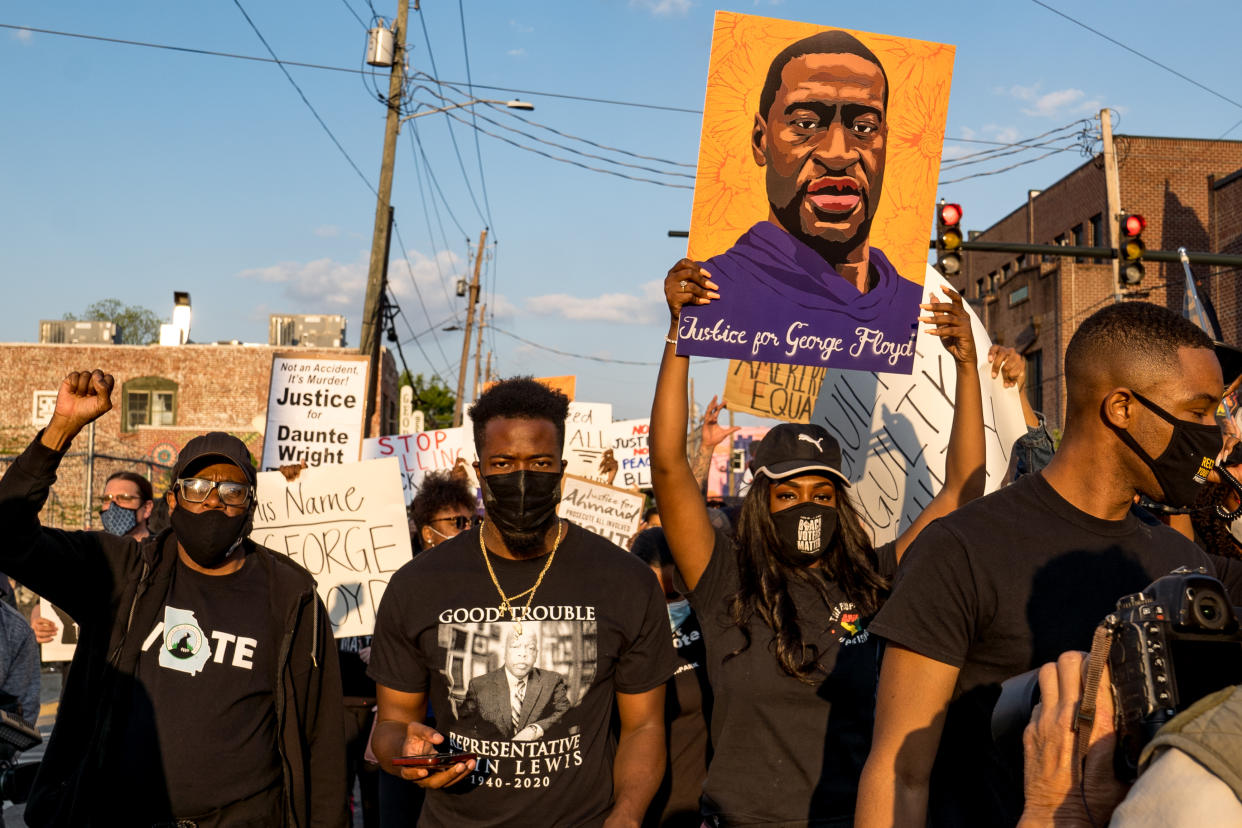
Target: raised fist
x,y
84,396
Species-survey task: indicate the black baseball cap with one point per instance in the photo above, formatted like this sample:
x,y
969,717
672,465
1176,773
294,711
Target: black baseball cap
x,y
1230,358
792,448
216,444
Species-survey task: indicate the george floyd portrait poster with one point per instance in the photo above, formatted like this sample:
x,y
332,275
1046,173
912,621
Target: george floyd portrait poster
x,y
815,193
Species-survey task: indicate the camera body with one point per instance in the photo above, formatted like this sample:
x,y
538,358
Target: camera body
x,y
1172,644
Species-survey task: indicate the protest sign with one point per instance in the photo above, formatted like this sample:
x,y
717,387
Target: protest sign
x,y
605,510
721,471
770,389
61,647
628,441
790,177
437,450
894,429
588,430
565,384
315,410
346,525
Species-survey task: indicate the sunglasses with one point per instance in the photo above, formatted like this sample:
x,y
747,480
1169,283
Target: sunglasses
x,y
196,490
460,521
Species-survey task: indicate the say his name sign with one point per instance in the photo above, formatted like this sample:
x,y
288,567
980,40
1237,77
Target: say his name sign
x,y
811,205
315,411
345,525
894,429
422,452
605,510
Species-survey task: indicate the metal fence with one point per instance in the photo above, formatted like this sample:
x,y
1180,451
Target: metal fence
x,y
73,500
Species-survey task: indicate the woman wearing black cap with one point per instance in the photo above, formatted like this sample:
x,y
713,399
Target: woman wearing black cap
x,y
784,604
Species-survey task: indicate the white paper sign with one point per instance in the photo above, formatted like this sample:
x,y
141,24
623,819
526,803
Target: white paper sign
x,y
315,409
62,646
347,526
605,510
587,434
628,441
894,429
423,452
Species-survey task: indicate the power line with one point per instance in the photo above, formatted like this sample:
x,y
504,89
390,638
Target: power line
x,y
422,19
571,161
302,95
1005,169
354,13
434,181
1137,53
418,292
435,246
465,50
303,65
1000,147
567,353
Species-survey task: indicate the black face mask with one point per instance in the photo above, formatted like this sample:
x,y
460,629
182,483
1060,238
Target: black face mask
x,y
1182,468
806,531
208,536
521,503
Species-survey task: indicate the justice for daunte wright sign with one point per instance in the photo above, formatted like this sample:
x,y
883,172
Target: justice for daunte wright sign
x,y
346,525
315,410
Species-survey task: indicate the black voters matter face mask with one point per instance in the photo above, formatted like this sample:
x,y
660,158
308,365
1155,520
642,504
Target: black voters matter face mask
x,y
1182,468
522,501
207,536
806,531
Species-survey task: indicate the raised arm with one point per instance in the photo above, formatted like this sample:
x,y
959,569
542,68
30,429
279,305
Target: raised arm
x,y
683,513
710,435
964,469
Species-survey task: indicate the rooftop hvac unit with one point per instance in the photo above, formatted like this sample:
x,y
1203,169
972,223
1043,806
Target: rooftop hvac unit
x,y
71,332
306,331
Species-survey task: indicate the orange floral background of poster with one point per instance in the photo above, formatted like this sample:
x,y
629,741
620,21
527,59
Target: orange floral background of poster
x,y
729,193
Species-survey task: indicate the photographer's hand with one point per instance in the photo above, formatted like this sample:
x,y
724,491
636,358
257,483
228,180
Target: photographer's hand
x,y
1054,797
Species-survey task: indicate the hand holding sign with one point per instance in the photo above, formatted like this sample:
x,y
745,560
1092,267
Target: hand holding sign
x,y
688,284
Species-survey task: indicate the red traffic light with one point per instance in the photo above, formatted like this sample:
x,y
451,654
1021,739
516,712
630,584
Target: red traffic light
x,y
1133,224
950,214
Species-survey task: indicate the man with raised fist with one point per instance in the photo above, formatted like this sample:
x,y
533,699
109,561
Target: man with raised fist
x,y
204,689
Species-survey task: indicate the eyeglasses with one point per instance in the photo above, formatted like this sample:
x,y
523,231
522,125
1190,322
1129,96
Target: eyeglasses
x,y
462,522
196,490
127,501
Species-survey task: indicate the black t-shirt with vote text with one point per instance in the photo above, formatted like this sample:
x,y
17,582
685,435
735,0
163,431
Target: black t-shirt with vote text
x,y
1004,585
535,706
786,752
205,687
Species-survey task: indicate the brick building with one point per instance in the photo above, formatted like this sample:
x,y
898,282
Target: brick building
x,y
163,397
1190,192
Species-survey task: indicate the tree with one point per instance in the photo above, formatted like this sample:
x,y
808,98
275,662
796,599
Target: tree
x,y
139,325
432,397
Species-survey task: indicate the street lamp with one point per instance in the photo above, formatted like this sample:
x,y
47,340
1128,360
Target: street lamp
x,y
525,106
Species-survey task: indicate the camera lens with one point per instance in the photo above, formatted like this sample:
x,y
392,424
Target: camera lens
x,y
1208,611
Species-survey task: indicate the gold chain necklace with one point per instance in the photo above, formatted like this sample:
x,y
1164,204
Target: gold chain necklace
x,y
506,601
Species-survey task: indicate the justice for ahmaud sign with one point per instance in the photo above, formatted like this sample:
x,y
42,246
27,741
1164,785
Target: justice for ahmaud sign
x,y
315,411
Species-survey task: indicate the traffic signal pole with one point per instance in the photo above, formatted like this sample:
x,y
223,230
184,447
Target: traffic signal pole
x,y
1220,259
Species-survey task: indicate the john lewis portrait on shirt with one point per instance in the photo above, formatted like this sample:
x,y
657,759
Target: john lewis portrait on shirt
x,y
815,189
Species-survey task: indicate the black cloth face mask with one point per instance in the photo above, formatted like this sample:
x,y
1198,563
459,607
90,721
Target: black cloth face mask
x,y
1182,468
521,502
806,531
208,536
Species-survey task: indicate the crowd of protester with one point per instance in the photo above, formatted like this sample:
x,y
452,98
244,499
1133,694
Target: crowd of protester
x,y
761,664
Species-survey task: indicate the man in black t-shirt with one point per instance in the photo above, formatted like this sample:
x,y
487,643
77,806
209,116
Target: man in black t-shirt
x,y
204,688
524,634
1013,580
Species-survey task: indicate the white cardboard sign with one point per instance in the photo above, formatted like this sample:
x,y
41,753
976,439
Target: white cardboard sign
x,y
315,411
347,526
605,510
426,451
588,431
629,448
894,428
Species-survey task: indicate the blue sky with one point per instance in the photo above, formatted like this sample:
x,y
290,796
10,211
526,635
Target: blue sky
x,y
131,172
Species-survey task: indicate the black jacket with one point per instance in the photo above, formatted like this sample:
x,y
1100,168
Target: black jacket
x,y
115,588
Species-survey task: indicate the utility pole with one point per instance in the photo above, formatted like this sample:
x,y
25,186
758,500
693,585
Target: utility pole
x,y
1112,188
478,350
487,372
371,323
465,342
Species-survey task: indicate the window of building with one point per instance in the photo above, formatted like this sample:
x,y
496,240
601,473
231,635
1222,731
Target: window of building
x,y
1035,379
1005,271
979,288
1018,295
1097,235
1060,242
992,277
148,401
1079,235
